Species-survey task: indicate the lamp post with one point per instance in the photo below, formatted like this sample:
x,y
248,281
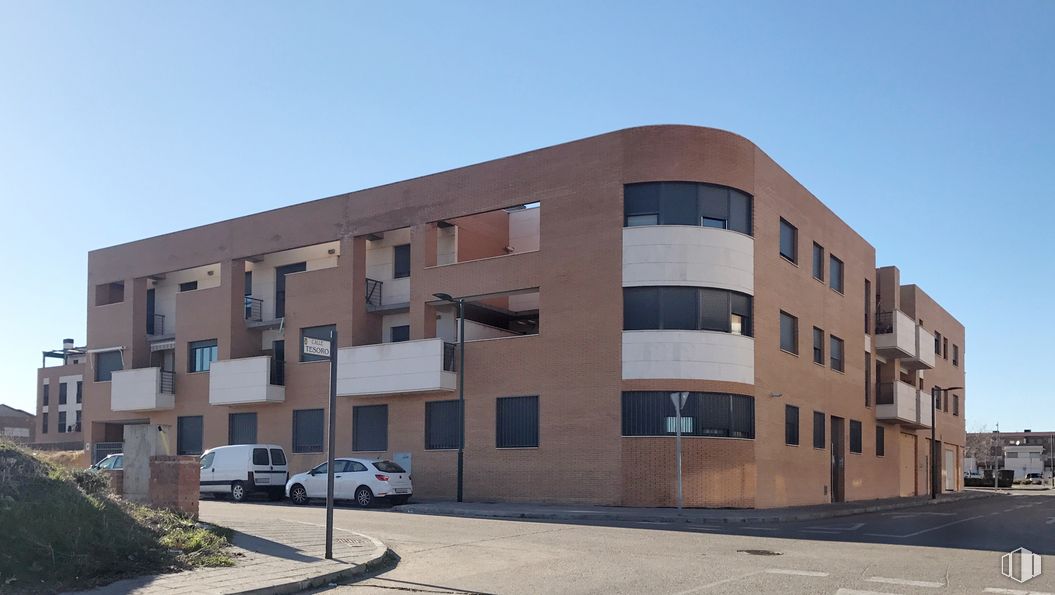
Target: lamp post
x,y
460,302
933,439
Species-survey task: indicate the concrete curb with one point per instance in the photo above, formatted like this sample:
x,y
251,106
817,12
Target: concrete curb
x,y
689,518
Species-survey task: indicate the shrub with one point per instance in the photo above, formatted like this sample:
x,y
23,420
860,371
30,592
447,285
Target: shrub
x,y
92,482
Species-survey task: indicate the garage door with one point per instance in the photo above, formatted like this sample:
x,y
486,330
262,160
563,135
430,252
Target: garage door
x,y
948,470
907,453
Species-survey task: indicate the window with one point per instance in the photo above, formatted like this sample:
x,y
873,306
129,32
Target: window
x,y
43,423
77,425
935,395
260,457
836,270
401,257
791,425
109,293
686,308
388,467
47,392
686,203
278,457
106,363
818,261
818,429
400,333
818,346
789,333
206,461
202,355
80,391
188,286
880,441
837,353
855,436
370,428
315,332
441,425
308,430
868,379
651,413
789,241
241,428
62,422
956,355
189,435
868,306
956,404
63,390
516,422
945,347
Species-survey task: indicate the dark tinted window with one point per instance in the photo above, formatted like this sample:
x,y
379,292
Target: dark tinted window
x,y
818,346
400,333
789,240
278,457
308,430
516,422
106,363
260,457
401,268
63,393
640,308
62,422
818,261
47,393
855,436
651,413
714,309
678,307
791,424
818,429
189,435
836,267
315,332
188,286
356,467
441,425
241,428
789,333
686,308
43,423
686,203
80,391
202,354
370,427
678,204
880,441
206,460
388,467
837,353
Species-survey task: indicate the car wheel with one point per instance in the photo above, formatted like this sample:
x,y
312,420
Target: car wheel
x,y
298,495
238,491
363,496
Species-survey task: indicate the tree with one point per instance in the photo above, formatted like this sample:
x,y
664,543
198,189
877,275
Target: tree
x,y
983,446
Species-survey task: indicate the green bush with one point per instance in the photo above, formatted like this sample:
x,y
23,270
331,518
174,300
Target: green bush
x,y
92,482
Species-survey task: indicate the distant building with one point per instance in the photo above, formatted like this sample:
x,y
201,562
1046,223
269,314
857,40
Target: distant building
x,y
16,425
993,446
1024,460
60,396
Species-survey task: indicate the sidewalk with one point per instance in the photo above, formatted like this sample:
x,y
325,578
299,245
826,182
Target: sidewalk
x,y
673,515
278,556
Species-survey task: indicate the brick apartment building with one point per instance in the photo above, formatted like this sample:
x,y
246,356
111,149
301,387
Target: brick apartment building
x,y
599,276
60,396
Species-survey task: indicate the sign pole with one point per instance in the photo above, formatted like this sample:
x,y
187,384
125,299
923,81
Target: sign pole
x,y
679,401
332,443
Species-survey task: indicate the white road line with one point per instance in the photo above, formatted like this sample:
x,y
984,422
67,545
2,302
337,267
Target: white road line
x,y
1014,591
795,572
759,528
921,532
856,592
852,527
822,531
904,582
721,582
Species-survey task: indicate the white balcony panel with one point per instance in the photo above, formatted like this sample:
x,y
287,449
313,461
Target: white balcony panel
x,y
925,353
688,355
901,341
243,381
393,368
688,255
139,390
907,400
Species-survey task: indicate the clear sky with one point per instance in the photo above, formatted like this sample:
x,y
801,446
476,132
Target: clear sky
x,y
927,126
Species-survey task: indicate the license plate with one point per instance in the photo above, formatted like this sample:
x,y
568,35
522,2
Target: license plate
x,y
401,490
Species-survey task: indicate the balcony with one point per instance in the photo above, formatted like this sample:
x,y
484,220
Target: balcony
x,y
244,381
902,403
426,365
142,389
898,336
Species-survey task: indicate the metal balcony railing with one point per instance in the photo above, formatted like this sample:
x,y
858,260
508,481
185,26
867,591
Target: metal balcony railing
x,y
156,324
167,382
254,309
450,361
884,323
373,292
885,393
278,373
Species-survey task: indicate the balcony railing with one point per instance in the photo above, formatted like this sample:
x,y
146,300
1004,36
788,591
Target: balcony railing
x,y
254,309
156,324
278,373
903,403
884,323
373,292
167,382
450,359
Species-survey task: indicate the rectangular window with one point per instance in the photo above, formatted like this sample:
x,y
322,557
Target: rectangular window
x,y
956,404
818,429
791,425
880,441
47,394
77,425
63,390
837,353
686,203
80,391
109,293
868,306
687,308
651,413
400,333
201,355
241,428
516,422
43,423
370,428
441,425
314,332
868,379
945,347
836,272
855,436
62,422
106,363
308,430
818,261
188,286
818,346
789,333
401,257
189,435
937,343
789,241
956,355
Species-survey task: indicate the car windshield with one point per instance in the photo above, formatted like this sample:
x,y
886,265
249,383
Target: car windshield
x,y
389,467
320,469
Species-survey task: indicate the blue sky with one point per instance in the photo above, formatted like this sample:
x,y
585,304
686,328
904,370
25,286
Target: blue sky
x,y
928,127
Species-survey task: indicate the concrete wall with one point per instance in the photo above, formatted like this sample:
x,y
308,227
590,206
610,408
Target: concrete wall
x,y
142,442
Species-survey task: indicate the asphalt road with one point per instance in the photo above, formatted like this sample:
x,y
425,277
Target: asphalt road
x,y
946,548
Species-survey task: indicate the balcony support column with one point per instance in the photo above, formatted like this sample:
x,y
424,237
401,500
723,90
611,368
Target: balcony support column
x,y
361,327
422,255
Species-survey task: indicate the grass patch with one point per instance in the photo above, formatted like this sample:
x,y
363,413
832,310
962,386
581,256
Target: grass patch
x,y
63,530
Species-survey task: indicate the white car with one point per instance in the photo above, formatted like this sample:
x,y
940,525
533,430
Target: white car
x,y
359,480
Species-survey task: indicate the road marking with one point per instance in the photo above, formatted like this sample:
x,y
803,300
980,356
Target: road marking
x,y
856,592
922,531
721,582
1014,591
905,582
795,572
759,528
912,514
852,527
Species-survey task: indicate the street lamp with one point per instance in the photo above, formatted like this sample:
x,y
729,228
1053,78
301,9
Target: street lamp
x,y
934,441
460,302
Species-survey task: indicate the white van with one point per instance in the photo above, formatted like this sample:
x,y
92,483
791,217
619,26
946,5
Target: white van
x,y
241,469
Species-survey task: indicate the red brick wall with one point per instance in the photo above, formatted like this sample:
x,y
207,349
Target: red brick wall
x,y
174,483
716,472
